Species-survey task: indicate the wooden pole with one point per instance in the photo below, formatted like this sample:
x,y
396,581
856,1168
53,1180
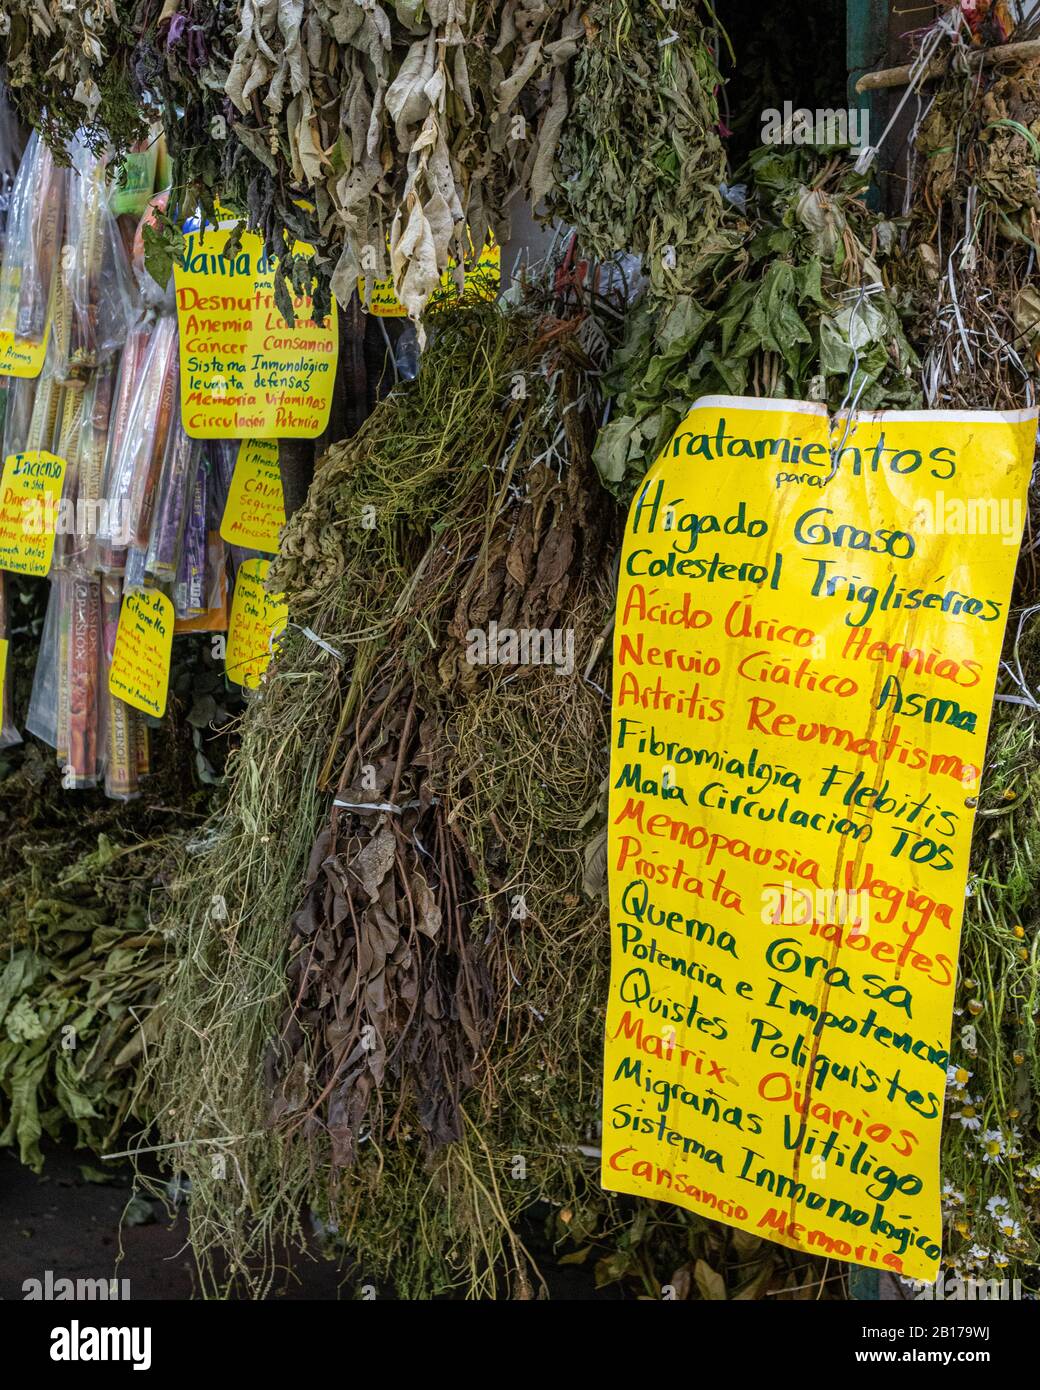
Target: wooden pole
x,y
978,57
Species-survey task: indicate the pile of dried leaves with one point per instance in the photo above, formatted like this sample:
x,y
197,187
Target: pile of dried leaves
x,y
83,963
70,68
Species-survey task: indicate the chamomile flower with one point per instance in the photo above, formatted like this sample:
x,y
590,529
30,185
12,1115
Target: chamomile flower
x,y
957,1077
977,1255
951,1197
1009,1228
996,1206
993,1146
968,1114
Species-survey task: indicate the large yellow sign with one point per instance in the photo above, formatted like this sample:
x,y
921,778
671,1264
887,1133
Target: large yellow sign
x,y
809,623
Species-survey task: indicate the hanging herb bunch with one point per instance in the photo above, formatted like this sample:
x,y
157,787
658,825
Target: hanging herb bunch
x,y
970,271
974,236
641,160
69,70
800,306
390,138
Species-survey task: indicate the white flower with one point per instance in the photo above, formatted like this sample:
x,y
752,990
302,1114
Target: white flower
x,y
957,1077
1034,1172
951,1196
978,1254
997,1205
1009,1228
991,1141
967,1114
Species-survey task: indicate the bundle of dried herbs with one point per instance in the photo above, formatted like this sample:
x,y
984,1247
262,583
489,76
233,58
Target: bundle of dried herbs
x,y
391,952
969,271
641,162
362,127
800,306
70,69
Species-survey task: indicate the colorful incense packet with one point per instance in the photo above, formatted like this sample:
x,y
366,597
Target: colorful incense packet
x,y
174,504
99,285
141,421
189,589
122,755
87,512
34,229
83,598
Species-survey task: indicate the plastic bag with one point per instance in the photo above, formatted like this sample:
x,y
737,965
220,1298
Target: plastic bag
x,y
35,227
176,492
42,718
83,598
8,732
101,294
141,419
121,755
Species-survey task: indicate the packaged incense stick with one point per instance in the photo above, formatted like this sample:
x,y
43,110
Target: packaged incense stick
x,y
8,732
61,585
159,407
34,230
42,718
47,403
96,271
189,590
66,445
84,636
120,723
93,442
21,395
176,495
141,419
112,538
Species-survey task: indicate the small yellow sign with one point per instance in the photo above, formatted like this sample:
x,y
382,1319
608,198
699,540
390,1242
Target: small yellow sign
x,y
255,510
140,670
32,484
481,280
257,618
19,357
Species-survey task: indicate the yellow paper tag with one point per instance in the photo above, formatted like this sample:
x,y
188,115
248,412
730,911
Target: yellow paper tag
x,y
256,620
255,510
140,670
3,673
804,662
31,490
18,356
482,281
245,374
21,358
